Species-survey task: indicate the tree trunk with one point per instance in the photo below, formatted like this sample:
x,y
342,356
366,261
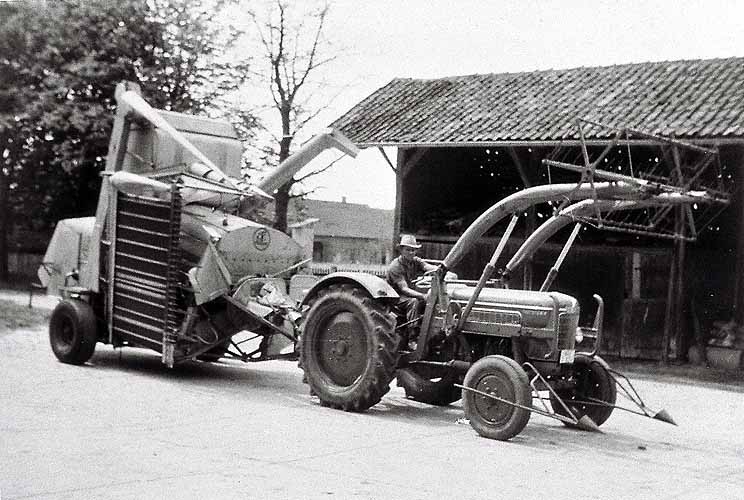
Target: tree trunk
x,y
281,202
281,197
5,225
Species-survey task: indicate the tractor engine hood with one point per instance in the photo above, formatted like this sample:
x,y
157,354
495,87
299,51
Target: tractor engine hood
x,y
535,307
513,297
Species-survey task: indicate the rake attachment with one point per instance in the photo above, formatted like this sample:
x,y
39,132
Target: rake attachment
x,y
630,393
655,165
584,423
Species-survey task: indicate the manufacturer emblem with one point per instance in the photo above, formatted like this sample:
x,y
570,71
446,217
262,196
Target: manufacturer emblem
x,y
261,239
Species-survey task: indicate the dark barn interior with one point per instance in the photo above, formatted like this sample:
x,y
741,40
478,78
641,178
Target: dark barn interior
x,y
466,142
449,187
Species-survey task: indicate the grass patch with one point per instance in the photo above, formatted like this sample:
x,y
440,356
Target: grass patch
x,y
14,316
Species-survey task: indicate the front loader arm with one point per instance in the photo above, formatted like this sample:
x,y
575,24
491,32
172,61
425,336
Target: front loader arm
x,y
584,208
532,196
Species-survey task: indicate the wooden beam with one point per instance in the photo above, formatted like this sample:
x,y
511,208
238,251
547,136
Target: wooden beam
x,y
398,196
520,168
738,202
387,159
406,160
409,159
669,313
679,302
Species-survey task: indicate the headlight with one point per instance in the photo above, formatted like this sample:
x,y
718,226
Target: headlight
x,y
579,335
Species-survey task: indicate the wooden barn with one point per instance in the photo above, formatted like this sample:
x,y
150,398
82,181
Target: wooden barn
x,y
465,142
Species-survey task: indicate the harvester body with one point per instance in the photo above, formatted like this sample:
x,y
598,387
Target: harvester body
x,y
171,260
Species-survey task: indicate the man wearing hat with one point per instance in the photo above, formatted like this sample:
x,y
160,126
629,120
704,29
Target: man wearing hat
x,y
401,274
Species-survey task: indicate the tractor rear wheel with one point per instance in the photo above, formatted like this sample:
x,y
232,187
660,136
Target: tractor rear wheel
x,y
73,331
593,384
501,377
348,348
430,386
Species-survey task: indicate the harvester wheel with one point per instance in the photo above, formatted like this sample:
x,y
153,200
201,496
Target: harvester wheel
x,y
73,331
502,377
348,348
592,382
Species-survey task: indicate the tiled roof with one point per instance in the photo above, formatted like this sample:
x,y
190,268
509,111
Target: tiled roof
x,y
345,220
689,99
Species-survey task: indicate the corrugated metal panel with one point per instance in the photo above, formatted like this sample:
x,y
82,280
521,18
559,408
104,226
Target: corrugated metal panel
x,y
146,264
691,99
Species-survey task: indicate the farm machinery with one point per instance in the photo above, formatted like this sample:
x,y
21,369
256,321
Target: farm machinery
x,y
172,261
506,352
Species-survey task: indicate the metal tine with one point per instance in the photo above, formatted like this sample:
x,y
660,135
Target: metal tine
x,y
583,423
661,415
634,396
537,392
529,365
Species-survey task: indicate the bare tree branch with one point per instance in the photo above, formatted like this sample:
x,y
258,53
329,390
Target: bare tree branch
x,y
313,50
293,43
303,193
317,171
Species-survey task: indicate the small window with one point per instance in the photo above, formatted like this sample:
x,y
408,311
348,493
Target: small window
x,y
317,251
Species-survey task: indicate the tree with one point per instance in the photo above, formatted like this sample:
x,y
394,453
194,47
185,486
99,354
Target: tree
x,y
59,65
295,51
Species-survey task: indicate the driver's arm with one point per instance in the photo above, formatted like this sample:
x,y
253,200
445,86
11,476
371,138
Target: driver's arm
x,y
406,291
398,280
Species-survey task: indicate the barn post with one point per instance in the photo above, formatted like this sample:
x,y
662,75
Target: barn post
x,y
406,159
738,201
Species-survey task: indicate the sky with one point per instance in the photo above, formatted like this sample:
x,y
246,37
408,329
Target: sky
x,y
386,39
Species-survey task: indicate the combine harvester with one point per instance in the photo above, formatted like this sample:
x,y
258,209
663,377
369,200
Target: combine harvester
x,y
169,262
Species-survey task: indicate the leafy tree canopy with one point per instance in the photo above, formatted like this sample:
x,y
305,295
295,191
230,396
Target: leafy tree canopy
x,y
60,62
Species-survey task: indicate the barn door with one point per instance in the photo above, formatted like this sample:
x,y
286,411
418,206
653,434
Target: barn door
x,y
644,308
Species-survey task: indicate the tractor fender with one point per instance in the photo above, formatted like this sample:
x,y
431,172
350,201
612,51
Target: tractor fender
x,y
377,287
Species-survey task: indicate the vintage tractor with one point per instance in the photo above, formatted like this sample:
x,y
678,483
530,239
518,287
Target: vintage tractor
x,y
172,261
505,348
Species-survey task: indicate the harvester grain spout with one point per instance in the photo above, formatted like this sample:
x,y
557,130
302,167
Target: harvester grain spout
x,y
327,139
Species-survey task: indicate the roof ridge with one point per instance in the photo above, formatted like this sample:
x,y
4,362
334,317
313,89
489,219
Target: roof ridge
x,y
688,97
565,70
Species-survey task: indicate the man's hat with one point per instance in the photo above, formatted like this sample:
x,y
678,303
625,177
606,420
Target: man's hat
x,y
408,240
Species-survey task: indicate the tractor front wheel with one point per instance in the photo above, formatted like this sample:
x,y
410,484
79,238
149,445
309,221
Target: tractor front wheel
x,y
503,378
592,393
73,331
348,348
